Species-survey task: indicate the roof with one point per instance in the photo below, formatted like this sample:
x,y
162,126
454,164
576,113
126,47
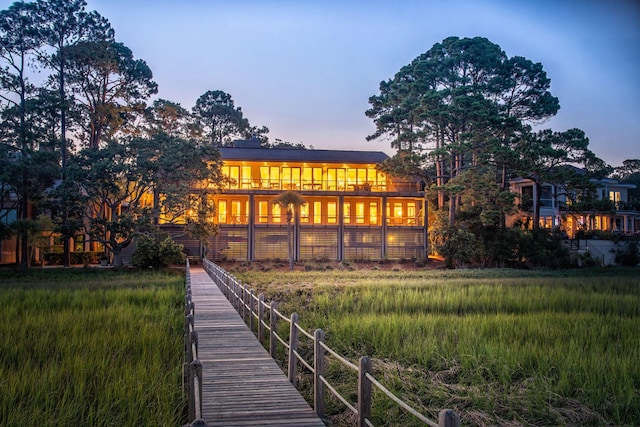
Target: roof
x,y
298,155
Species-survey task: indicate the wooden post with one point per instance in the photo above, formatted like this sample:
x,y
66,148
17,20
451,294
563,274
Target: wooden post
x,y
364,391
261,319
273,324
293,346
193,341
448,418
318,371
251,311
195,370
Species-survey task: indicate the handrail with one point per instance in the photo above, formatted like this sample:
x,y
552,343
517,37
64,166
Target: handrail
x,y
192,367
230,286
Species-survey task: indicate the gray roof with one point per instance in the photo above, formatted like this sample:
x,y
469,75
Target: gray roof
x,y
297,155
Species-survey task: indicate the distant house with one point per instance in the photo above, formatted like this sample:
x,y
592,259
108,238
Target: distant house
x,y
352,210
555,207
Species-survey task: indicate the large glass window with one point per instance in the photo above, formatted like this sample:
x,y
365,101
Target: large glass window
x,y
222,211
246,177
411,213
317,212
263,211
276,213
235,212
304,213
347,212
332,213
373,213
360,213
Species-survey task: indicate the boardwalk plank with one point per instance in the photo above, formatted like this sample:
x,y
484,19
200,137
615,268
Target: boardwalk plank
x,y
242,384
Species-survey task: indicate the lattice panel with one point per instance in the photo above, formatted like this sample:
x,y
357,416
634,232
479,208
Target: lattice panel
x,y
319,243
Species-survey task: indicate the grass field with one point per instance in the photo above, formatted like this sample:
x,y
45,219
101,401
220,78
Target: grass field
x,y
90,347
501,347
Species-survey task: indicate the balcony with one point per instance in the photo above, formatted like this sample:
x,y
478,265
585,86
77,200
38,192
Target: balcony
x,y
324,185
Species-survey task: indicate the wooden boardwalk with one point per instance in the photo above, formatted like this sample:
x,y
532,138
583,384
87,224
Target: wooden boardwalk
x,y
242,384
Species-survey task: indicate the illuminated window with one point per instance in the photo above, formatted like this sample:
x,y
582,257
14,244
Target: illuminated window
x,y
362,176
222,211
332,213
614,196
233,173
360,213
264,176
397,211
351,178
263,211
347,212
304,213
317,178
235,212
411,213
373,212
291,178
307,178
246,177
336,179
317,212
276,213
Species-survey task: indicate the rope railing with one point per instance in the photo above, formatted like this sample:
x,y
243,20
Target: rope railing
x,y
244,299
192,367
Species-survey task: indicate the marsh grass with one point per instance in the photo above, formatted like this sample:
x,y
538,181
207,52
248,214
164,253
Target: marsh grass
x,y
90,347
501,347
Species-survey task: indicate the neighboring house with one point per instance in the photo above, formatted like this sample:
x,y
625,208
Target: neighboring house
x,y
555,207
352,210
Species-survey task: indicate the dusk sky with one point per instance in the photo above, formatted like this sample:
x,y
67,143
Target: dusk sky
x,y
305,69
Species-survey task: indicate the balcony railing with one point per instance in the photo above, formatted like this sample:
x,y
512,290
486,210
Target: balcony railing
x,y
324,185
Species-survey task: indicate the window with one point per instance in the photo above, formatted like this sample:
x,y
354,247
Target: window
x,y
332,213
411,213
360,213
290,178
263,211
373,212
336,179
222,211
317,212
233,174
304,213
276,213
246,177
347,212
270,177
235,212
397,212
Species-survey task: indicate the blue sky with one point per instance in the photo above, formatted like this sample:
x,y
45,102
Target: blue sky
x,y
306,68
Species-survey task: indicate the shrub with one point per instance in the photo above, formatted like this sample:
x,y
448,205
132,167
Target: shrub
x,y
157,250
629,256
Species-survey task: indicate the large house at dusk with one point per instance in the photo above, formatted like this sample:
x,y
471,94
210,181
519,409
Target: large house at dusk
x,y
351,211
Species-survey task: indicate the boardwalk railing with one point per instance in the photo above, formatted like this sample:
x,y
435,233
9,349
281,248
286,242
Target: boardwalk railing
x,y
192,368
262,318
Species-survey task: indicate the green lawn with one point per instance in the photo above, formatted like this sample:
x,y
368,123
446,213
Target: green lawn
x,y
501,347
91,347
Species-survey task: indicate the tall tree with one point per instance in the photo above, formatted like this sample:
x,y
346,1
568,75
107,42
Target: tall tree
x,y
108,84
27,169
219,119
64,23
464,102
291,202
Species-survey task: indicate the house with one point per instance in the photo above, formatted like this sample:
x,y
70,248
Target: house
x,y
555,207
352,211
